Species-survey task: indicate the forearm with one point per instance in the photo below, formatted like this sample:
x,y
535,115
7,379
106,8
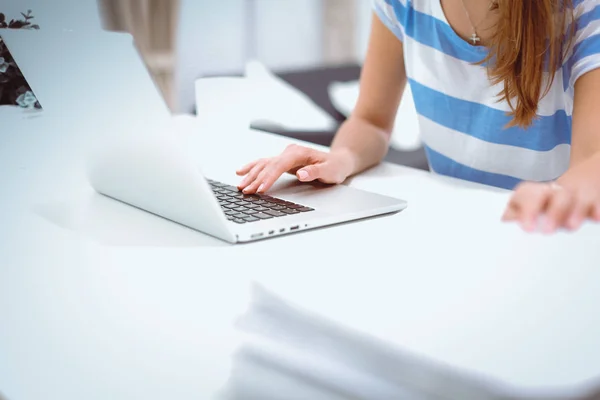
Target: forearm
x,y
364,144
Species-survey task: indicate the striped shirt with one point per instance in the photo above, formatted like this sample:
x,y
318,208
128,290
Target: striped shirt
x,y
462,124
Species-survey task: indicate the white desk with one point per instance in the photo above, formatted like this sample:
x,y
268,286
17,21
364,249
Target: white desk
x,y
99,300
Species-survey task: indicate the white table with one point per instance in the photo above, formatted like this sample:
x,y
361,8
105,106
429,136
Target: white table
x,y
99,300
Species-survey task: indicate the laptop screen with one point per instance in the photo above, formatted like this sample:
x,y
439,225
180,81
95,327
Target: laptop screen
x,y
15,90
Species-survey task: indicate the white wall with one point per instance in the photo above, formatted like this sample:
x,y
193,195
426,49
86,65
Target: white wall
x,y
209,41
56,14
364,13
218,37
214,36
288,33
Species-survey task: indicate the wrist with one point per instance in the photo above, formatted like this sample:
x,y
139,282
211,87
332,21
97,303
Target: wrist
x,y
347,158
586,169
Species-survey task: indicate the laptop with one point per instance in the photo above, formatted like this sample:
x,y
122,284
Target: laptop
x,y
138,160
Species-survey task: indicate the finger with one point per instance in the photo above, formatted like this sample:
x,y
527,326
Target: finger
x,y
583,209
528,202
251,176
309,173
246,168
560,205
510,214
324,172
267,178
299,156
579,213
254,185
596,212
294,158
273,171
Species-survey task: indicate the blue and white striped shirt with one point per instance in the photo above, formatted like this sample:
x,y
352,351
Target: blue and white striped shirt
x,y
462,123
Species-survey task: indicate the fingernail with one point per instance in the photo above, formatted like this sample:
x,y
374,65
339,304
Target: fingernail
x,y
573,223
528,225
261,188
549,226
302,174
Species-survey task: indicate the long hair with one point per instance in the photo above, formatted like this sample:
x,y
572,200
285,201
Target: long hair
x,y
531,38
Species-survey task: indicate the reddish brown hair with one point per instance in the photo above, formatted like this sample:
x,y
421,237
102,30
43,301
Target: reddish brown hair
x,y
528,40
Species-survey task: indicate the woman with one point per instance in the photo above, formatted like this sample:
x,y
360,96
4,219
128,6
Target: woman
x,y
507,92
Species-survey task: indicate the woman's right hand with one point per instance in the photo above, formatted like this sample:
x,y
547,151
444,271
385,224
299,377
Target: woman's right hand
x,y
306,163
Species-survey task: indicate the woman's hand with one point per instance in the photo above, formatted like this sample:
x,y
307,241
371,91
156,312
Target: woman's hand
x,y
306,163
567,203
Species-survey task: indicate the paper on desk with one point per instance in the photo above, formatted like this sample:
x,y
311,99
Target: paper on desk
x,y
227,103
283,104
405,137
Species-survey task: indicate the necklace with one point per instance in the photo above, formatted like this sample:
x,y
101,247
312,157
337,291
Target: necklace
x,y
474,36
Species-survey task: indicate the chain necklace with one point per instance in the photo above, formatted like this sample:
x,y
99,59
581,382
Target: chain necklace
x,y
475,38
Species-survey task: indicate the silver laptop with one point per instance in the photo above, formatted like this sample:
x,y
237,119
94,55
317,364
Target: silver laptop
x,y
149,169
154,173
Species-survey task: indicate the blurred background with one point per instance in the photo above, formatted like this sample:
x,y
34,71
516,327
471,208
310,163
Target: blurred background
x,y
309,45
186,39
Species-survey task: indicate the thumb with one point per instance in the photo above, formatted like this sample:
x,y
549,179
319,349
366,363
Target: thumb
x,y
309,173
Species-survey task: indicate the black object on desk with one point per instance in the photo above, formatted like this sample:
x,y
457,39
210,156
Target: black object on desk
x,y
315,83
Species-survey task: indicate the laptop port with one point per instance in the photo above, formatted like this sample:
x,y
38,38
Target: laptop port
x,y
271,232
257,235
282,230
294,228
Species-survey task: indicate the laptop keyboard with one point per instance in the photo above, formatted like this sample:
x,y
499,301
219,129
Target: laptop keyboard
x,y
242,208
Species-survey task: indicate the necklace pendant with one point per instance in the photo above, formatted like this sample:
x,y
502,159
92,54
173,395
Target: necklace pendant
x,y
475,39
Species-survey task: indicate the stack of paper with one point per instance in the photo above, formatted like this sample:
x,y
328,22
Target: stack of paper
x,y
293,354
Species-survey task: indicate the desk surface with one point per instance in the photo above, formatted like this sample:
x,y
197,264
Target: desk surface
x,y
99,300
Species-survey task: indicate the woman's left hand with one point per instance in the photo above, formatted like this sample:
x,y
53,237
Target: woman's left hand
x,y
566,203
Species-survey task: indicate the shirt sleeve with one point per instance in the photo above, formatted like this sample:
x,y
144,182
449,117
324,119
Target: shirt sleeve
x,y
384,9
585,54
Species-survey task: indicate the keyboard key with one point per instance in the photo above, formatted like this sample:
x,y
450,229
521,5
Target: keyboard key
x,y
242,208
262,216
275,213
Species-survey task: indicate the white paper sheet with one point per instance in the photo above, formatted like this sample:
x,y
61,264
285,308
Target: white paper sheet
x,y
230,104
